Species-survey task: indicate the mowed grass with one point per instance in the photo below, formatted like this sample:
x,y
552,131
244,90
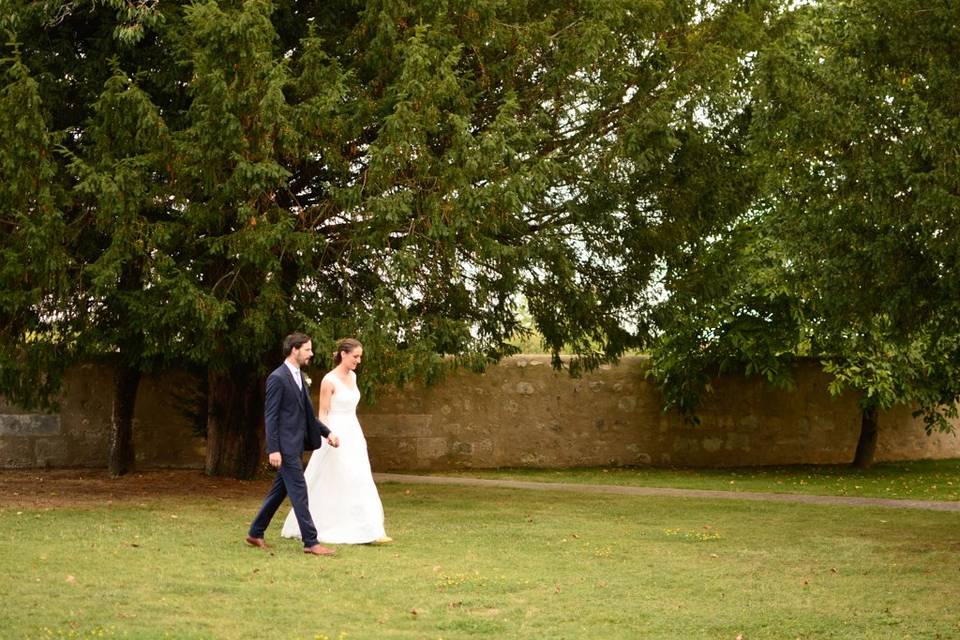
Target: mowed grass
x,y
484,563
915,480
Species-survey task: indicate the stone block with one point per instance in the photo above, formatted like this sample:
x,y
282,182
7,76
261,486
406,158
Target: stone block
x,y
483,448
396,424
29,424
17,453
712,445
54,452
738,442
431,448
532,459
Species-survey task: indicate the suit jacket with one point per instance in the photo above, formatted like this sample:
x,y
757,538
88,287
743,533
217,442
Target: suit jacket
x,y
291,423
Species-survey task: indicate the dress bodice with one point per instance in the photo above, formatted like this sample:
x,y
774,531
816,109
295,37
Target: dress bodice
x,y
345,397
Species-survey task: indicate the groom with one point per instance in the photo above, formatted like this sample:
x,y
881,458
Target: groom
x,y
292,427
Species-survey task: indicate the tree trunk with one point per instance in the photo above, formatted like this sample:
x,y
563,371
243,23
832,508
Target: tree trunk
x,y
126,381
234,423
867,444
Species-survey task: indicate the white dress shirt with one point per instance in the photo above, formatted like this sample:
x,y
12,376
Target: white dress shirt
x,y
296,374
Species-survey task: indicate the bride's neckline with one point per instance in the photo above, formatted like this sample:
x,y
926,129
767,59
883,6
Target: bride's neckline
x,y
348,383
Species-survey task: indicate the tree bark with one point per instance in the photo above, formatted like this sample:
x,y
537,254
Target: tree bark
x,y
867,443
234,423
126,381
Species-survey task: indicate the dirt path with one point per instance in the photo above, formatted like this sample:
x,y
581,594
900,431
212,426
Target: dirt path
x,y
75,487
932,505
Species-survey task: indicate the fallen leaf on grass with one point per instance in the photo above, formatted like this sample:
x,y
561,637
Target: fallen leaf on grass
x,y
71,579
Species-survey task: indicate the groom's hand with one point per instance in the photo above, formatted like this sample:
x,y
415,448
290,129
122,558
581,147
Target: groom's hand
x,y
275,459
333,440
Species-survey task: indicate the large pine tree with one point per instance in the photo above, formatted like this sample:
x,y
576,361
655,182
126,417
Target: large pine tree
x,y
407,172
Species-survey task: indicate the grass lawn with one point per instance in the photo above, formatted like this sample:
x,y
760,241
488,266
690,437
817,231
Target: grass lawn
x,y
917,480
474,563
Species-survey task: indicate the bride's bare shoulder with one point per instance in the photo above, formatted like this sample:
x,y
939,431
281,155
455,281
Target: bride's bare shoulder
x,y
332,377
328,378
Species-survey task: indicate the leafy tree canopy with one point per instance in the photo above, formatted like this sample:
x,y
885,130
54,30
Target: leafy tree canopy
x,y
848,252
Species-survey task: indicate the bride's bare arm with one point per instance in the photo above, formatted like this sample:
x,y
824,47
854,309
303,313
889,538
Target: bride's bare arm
x,y
323,407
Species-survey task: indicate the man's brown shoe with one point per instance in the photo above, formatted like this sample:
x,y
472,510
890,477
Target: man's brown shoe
x,y
319,550
257,542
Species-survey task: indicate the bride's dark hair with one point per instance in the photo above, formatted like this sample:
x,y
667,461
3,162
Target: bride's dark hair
x,y
344,346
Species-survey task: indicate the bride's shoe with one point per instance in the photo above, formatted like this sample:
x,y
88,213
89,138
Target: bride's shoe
x,y
383,540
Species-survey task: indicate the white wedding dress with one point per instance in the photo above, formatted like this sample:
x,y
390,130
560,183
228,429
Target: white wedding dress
x,y
344,502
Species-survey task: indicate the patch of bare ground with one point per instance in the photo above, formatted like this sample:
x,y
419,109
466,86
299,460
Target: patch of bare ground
x,y
78,487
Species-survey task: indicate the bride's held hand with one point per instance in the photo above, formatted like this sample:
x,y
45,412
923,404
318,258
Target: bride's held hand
x,y
333,440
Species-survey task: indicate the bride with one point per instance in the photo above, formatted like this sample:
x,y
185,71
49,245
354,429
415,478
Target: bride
x,y
344,502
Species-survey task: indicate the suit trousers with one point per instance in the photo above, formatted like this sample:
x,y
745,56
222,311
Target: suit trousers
x,y
289,481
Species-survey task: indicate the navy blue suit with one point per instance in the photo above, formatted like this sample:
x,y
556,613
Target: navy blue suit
x,y
292,428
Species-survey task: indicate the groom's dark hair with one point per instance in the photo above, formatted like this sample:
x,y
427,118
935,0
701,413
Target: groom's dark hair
x,y
294,341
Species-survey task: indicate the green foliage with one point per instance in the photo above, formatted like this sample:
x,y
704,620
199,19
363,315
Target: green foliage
x,y
868,186
847,250
35,330
397,171
867,208
728,310
118,166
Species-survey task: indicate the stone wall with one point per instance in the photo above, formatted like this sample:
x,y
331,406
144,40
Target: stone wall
x,y
523,413
518,413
